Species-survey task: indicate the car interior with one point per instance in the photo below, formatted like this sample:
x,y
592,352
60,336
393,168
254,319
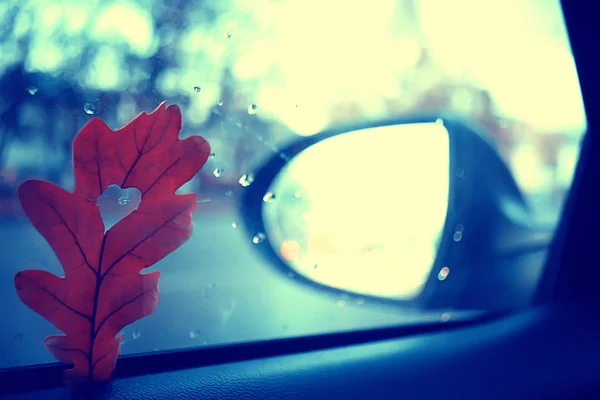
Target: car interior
x,y
539,339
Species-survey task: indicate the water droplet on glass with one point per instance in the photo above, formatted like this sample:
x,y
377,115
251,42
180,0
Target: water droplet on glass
x,y
443,274
234,225
229,193
252,109
89,108
197,89
457,237
89,198
220,103
297,105
217,172
460,172
445,317
439,121
123,200
211,155
284,157
341,303
32,90
227,35
316,266
246,180
176,221
136,335
258,238
195,334
269,197
360,300
205,200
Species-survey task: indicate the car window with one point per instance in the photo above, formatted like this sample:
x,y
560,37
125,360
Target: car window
x,y
250,77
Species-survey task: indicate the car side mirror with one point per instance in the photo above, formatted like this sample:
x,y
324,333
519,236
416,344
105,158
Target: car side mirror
x,y
399,210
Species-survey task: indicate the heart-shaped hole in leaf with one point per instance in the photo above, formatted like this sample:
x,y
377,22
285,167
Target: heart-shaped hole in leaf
x,y
116,203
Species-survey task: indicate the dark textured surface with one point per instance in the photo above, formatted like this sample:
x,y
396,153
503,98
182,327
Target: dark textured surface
x,y
541,353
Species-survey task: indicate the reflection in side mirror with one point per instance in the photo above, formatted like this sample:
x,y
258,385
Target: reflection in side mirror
x,y
363,211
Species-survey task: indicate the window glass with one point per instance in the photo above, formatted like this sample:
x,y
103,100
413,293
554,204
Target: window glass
x,y
251,76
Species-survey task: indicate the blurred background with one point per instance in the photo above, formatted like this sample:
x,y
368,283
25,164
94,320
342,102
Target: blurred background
x,y
250,76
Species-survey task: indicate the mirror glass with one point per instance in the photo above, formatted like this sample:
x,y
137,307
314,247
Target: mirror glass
x,y
363,211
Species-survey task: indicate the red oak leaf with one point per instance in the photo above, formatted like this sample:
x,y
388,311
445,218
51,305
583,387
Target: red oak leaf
x,y
146,154
102,290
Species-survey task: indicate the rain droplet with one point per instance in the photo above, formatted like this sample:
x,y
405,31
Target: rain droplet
x,y
89,108
220,103
269,197
284,157
258,238
89,198
136,335
443,274
229,193
176,221
439,121
316,266
195,334
457,237
197,89
211,155
234,225
445,317
246,180
217,172
341,303
252,109
227,35
32,90
123,201
460,172
206,200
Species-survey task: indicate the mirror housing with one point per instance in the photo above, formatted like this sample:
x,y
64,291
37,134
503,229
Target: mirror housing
x,y
487,220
